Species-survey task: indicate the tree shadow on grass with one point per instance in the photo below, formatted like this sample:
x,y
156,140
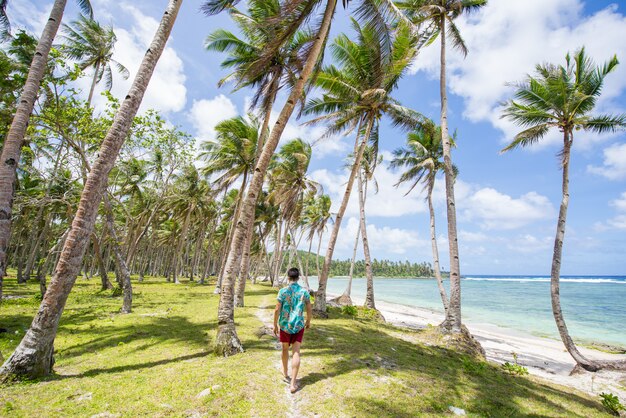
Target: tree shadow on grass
x,y
154,330
128,367
437,376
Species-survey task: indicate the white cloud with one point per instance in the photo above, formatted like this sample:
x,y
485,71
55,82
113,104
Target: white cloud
x,y
529,244
388,202
495,210
24,14
614,165
506,39
618,221
206,114
466,236
620,203
166,91
385,241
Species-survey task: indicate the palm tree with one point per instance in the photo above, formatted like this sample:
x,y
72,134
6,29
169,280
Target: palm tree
x,y
440,15
34,355
227,343
5,24
563,97
92,46
288,186
260,28
356,96
423,159
12,147
366,174
231,156
187,203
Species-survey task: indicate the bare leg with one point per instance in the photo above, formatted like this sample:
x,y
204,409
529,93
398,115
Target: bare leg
x,y
295,365
285,357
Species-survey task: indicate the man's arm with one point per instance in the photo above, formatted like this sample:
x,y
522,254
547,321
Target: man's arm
x,y
276,314
309,314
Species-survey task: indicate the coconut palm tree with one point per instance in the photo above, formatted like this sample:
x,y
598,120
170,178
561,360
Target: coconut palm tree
x,y
366,174
92,46
440,15
187,203
5,24
356,96
423,159
227,343
12,147
563,97
259,28
34,355
231,156
288,186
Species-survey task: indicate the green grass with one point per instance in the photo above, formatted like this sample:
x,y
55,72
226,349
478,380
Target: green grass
x,y
155,361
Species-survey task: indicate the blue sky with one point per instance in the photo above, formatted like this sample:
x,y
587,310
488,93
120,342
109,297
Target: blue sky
x,y
507,203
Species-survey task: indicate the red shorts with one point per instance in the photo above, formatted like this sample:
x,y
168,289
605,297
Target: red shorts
x,y
285,337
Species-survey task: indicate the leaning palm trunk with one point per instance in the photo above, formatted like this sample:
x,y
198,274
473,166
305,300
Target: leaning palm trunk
x,y
33,357
320,295
231,230
581,360
433,241
453,319
227,343
244,270
556,266
12,147
369,297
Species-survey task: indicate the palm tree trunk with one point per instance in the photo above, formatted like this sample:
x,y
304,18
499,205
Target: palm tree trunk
x,y
453,322
122,268
320,295
276,256
245,258
369,297
433,241
231,233
12,147
227,343
556,266
348,291
33,356
317,254
308,259
106,284
94,81
181,241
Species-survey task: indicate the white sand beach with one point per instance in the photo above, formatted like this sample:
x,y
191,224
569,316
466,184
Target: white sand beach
x,y
544,357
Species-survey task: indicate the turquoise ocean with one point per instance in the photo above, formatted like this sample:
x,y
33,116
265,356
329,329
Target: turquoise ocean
x,y
594,306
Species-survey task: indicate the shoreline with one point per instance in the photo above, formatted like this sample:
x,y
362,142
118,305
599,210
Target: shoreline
x,y
543,356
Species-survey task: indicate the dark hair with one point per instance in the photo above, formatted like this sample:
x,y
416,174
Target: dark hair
x,y
293,273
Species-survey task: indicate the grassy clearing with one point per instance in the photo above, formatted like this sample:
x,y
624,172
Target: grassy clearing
x,y
155,362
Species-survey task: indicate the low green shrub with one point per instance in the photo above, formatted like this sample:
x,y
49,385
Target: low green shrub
x,y
515,368
611,403
349,310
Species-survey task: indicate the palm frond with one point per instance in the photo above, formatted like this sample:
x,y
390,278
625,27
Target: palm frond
x,y
605,123
528,137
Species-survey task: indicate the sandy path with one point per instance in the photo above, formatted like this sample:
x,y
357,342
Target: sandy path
x,y
292,400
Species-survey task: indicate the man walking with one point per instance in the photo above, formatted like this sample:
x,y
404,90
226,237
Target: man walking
x,y
289,314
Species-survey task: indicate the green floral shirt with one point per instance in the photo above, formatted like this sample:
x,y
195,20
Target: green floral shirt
x,y
293,299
